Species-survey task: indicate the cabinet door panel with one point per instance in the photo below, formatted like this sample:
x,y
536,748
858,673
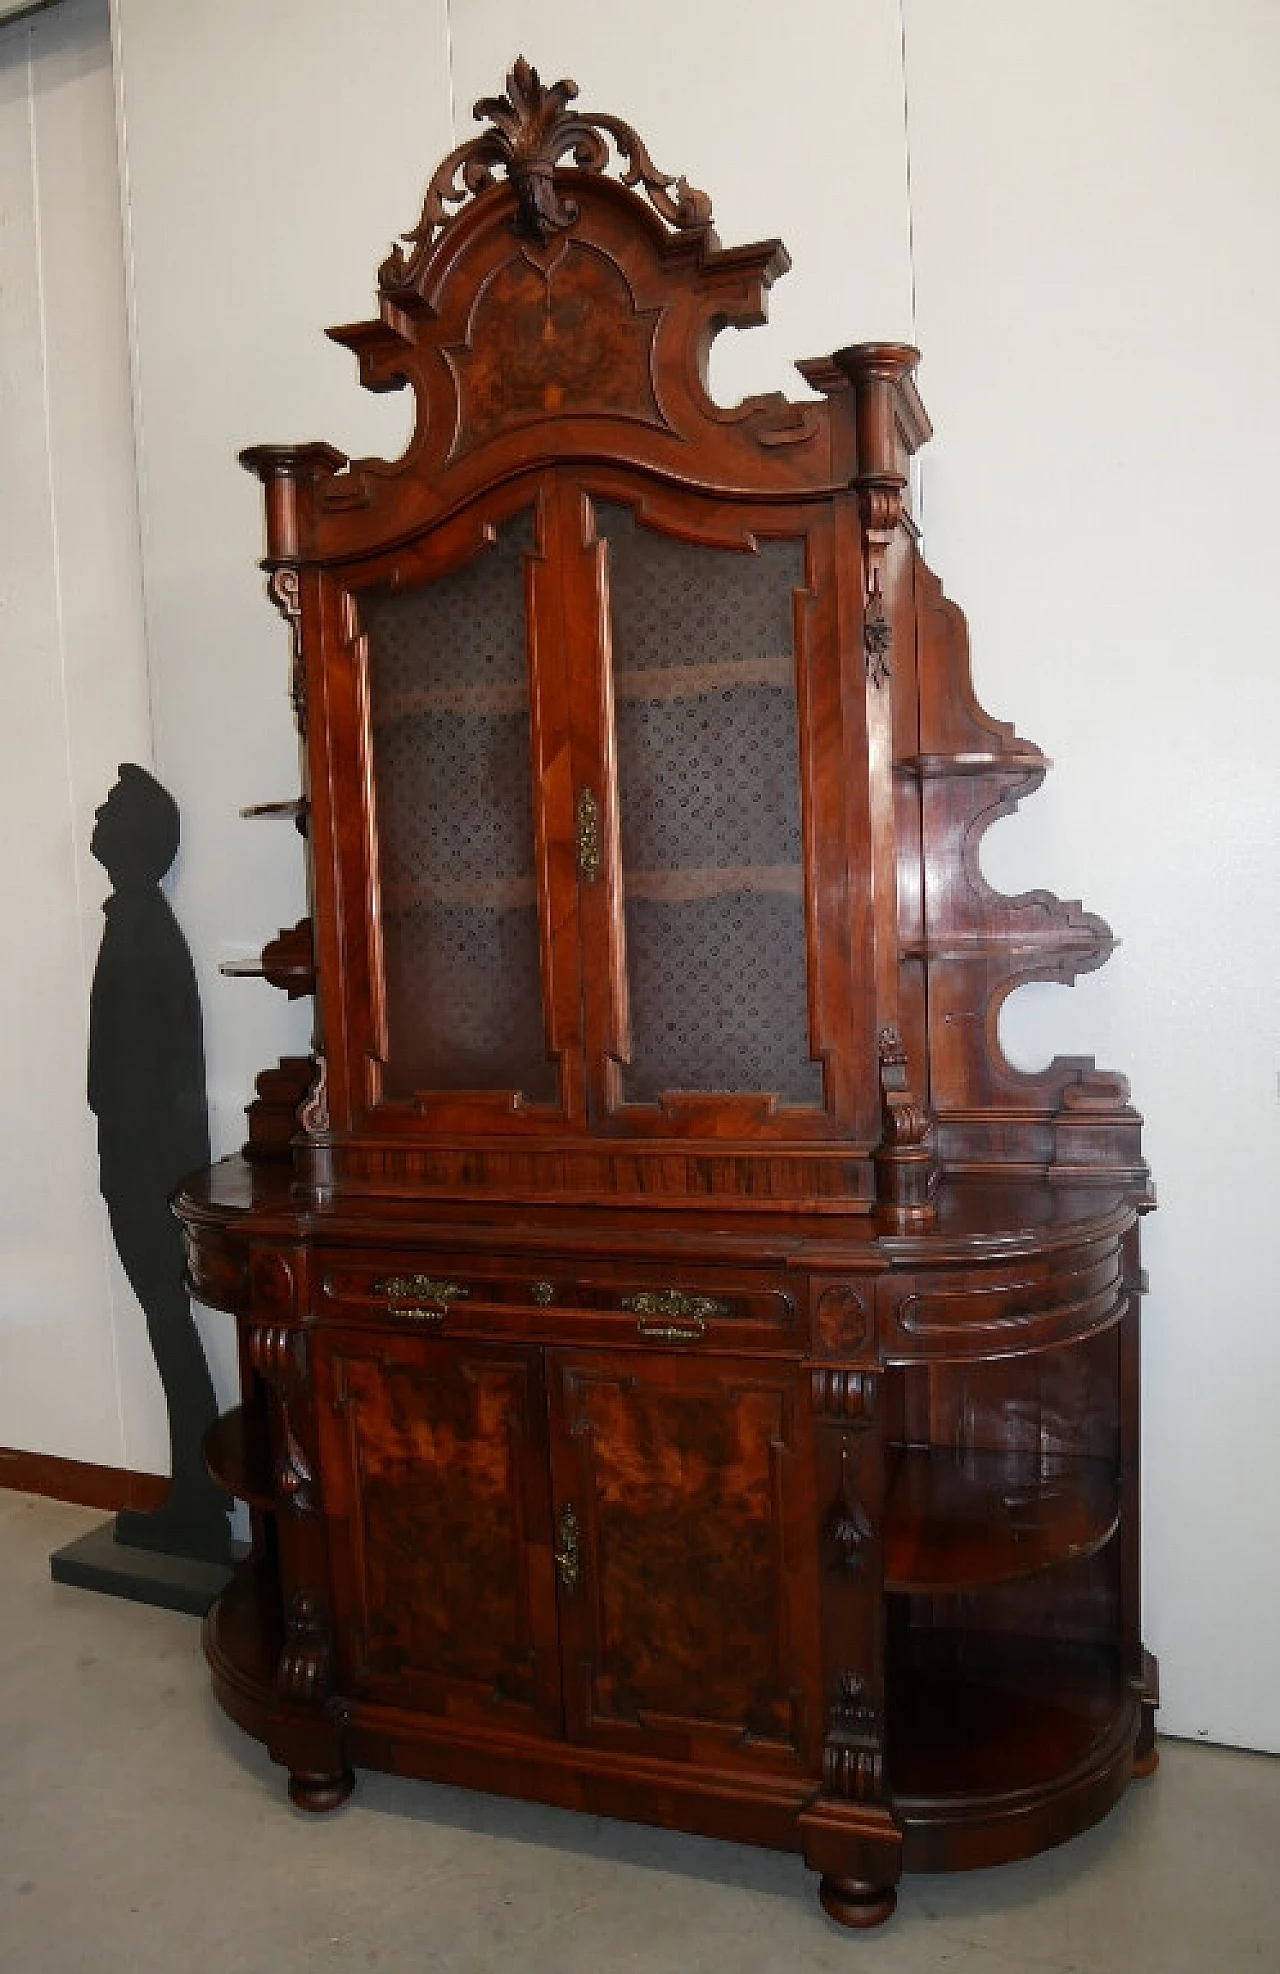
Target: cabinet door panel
x,y
447,709
728,990
435,1480
688,1632
703,672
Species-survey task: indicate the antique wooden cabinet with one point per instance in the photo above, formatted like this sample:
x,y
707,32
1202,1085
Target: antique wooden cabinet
x,y
688,1373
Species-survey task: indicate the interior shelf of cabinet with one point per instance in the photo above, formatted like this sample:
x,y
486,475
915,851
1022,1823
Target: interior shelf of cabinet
x,y
974,1714
497,701
492,894
238,1456
244,1628
650,682
681,886
958,1521
667,887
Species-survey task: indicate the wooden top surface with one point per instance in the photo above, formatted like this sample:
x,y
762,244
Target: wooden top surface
x,y
975,1220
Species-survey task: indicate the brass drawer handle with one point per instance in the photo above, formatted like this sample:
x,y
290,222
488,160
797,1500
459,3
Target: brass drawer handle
x,y
568,1552
422,1298
670,1316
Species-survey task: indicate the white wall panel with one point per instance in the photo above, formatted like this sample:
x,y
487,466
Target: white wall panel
x,y
269,155
1094,193
791,119
76,1376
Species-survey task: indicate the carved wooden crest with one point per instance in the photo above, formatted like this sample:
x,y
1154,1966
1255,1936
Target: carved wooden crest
x,y
531,129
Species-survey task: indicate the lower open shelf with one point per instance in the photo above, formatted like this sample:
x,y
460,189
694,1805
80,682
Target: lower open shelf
x,y
982,1727
955,1521
238,1456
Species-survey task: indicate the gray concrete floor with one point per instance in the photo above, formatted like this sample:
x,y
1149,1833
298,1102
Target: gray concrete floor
x,y
140,1831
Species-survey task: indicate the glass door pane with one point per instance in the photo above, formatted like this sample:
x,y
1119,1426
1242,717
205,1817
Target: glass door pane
x,y
704,692
450,731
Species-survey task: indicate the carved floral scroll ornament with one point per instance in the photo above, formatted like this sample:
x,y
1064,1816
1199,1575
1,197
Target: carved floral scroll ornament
x,y
532,130
852,1757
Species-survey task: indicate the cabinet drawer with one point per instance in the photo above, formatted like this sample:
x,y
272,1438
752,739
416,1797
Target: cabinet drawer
x,y
1007,1309
583,1298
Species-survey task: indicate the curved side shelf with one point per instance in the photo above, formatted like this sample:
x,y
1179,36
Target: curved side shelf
x,y
294,811
287,961
959,1521
973,761
242,1640
999,1746
238,1456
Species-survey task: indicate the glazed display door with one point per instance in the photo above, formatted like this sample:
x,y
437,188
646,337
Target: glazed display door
x,y
612,770
684,1556
474,988
711,817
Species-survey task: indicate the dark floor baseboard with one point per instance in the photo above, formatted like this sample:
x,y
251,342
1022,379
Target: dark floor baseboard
x,y
80,1481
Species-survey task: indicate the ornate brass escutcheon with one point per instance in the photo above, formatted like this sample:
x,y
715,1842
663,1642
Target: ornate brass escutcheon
x,y
568,1553
671,1316
422,1298
588,837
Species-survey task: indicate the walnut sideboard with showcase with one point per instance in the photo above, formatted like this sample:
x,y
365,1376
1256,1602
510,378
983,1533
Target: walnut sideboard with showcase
x,y
688,1374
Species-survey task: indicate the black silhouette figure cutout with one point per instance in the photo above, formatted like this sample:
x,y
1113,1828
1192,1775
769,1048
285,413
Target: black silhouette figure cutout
x,y
147,1088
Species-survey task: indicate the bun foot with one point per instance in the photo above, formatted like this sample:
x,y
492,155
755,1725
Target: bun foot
x,y
1145,1762
850,1902
320,1792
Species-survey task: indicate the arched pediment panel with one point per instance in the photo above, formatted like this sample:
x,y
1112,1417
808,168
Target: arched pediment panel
x,y
558,313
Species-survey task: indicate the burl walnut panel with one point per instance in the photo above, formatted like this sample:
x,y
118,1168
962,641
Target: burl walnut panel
x,y
438,1450
686,1483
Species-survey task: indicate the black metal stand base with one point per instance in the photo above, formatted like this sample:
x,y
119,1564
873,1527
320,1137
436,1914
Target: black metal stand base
x,y
146,1576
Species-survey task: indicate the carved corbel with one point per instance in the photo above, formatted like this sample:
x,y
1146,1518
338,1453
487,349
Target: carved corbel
x,y
273,1351
849,1396
291,479
313,1111
303,1668
880,508
891,423
906,1169
284,587
853,1751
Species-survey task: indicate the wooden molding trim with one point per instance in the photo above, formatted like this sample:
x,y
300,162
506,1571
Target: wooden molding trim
x,y
80,1481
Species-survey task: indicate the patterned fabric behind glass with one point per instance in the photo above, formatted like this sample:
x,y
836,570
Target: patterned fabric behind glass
x,y
708,771
449,708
